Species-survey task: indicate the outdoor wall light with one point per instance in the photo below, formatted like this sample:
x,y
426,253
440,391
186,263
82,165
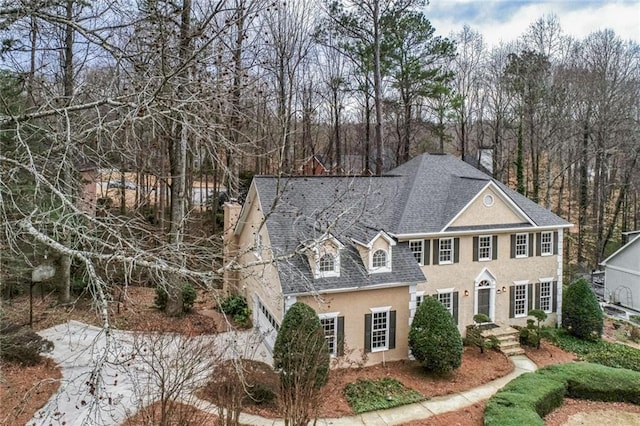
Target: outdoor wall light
x,y
504,289
498,291
466,292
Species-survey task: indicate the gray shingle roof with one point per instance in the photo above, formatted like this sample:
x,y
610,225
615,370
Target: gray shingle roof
x,y
421,196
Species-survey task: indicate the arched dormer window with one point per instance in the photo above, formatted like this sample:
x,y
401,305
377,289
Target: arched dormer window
x,y
327,263
379,259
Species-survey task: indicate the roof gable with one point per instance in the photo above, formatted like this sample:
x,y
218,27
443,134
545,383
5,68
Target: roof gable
x,y
627,254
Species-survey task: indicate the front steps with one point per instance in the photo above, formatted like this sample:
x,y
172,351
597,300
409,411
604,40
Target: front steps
x,y
509,340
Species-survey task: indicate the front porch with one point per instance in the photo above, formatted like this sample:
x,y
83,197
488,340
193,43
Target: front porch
x,y
508,337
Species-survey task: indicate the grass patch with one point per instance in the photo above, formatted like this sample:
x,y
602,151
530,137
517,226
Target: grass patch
x,y
369,395
599,352
528,398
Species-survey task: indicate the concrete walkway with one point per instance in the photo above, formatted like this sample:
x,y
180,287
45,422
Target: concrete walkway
x,y
107,377
405,413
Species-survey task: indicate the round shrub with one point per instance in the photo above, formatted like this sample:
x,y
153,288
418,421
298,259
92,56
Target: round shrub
x,y
236,306
581,313
434,339
301,353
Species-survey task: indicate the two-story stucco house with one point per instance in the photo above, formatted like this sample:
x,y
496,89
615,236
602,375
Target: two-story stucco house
x,y
364,251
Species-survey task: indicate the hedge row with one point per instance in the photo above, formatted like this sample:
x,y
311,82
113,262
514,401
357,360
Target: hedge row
x,y
527,399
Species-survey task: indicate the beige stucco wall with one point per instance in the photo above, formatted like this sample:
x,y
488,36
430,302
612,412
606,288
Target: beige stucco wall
x,y
461,276
353,306
261,279
479,214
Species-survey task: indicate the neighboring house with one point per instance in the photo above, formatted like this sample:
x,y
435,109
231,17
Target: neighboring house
x,y
622,275
364,251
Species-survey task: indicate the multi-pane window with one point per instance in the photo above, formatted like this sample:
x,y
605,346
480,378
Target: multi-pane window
x,y
417,248
520,300
522,245
445,253
545,296
379,330
379,259
330,328
327,263
546,243
484,248
419,298
447,300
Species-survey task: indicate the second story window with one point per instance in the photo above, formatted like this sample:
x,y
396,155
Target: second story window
x,y
546,243
417,248
522,245
445,250
484,247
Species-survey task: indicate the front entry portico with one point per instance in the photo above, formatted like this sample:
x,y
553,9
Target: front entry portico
x,y
485,294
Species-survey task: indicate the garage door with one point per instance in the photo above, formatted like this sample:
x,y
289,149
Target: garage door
x,y
265,323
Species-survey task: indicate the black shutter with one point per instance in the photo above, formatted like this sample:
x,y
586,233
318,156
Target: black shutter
x,y
455,307
476,243
427,252
367,332
530,253
436,251
456,250
340,348
494,247
392,330
513,246
538,243
530,298
555,243
555,296
537,295
512,300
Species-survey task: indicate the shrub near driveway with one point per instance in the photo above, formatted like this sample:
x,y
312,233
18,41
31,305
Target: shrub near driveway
x,y
525,400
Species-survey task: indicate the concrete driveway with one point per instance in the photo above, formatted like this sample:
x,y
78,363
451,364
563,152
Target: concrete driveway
x,y
107,376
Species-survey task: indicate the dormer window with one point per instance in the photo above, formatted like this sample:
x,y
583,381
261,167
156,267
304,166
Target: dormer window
x,y
327,263
380,261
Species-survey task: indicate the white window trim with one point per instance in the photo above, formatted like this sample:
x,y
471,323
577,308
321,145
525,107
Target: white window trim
x,y
419,294
386,268
336,266
526,246
550,252
379,310
446,262
334,316
550,282
485,259
421,261
448,291
526,298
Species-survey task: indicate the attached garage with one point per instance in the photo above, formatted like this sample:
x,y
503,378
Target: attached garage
x,y
265,322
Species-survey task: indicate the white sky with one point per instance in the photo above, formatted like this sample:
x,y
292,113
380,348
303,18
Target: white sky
x,y
506,20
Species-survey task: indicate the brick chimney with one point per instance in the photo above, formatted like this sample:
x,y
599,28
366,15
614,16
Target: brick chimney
x,y
232,211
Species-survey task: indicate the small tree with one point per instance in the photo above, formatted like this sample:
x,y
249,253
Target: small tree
x,y
301,355
581,313
434,338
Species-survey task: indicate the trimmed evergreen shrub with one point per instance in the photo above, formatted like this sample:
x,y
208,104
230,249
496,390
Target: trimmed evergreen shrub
x,y
301,353
236,306
581,313
434,339
189,296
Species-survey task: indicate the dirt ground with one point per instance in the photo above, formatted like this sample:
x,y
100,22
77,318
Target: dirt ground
x,y
574,412
177,414
24,390
131,309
